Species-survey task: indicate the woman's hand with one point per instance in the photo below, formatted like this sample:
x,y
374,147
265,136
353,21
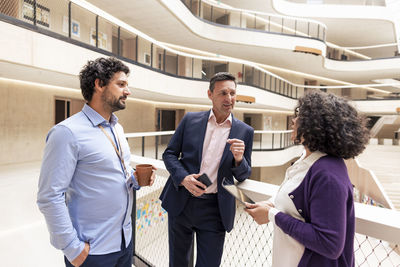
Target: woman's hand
x,y
259,211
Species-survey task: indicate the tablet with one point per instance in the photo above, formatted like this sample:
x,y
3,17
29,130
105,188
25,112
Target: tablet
x,y
236,192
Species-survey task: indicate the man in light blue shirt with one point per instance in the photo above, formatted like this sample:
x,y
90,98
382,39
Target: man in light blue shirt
x,y
86,183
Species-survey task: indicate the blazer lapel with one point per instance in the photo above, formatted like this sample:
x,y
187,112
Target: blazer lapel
x,y
202,131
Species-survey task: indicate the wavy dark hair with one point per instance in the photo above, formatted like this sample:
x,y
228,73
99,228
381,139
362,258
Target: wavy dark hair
x,y
329,124
102,69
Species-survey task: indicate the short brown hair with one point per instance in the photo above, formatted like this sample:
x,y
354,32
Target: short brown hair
x,y
221,76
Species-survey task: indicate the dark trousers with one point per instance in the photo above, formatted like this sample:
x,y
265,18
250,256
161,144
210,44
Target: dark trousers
x,y
122,258
200,216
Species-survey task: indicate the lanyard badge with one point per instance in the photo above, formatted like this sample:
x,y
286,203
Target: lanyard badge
x,y
118,151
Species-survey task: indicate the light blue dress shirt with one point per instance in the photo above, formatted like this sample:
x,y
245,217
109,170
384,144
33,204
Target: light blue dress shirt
x,y
83,191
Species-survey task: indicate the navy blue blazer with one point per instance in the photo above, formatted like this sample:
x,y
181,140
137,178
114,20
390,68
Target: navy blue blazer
x,y
183,157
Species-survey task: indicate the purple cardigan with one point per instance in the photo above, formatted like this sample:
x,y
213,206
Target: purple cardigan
x,y
325,201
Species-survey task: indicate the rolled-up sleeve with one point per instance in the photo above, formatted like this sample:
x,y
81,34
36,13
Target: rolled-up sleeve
x,y
58,166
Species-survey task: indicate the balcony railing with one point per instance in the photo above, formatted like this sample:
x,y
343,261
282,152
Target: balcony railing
x,y
222,14
84,25
153,144
125,42
376,241
384,51
353,2
217,13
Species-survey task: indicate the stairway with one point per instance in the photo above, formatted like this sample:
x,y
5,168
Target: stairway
x,y
384,161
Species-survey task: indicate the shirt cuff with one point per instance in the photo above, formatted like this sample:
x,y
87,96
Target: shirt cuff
x,y
73,249
134,183
271,214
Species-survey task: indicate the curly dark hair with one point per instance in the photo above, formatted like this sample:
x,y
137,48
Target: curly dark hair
x,y
221,76
329,124
102,69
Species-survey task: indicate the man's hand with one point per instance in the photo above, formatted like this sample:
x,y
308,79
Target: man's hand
x,y
191,183
259,211
237,149
153,176
82,257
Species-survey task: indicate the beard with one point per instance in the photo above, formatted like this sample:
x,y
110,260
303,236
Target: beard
x,y
112,102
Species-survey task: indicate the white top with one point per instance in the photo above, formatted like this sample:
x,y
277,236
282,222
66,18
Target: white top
x,y
286,250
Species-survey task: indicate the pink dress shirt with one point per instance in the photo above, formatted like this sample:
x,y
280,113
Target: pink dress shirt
x,y
213,148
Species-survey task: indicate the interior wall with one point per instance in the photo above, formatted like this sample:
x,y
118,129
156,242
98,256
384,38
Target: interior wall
x,y
236,70
144,46
256,121
197,65
170,63
28,113
277,121
184,66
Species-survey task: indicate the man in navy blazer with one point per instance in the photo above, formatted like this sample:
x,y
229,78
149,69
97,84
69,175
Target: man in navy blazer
x,y
215,143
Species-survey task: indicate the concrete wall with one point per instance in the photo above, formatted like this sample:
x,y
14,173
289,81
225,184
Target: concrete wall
x,y
235,69
236,20
144,46
28,113
26,117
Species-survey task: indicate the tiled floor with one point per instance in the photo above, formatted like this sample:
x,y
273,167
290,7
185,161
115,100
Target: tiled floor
x,y
24,239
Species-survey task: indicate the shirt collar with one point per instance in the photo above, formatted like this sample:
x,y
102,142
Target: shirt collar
x,y
212,115
312,158
96,119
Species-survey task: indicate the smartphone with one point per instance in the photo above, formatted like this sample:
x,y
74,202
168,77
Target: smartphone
x,y
205,180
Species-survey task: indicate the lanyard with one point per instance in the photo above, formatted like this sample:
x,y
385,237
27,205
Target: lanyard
x,y
119,152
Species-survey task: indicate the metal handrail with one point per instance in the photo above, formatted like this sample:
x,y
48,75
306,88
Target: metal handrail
x,y
278,140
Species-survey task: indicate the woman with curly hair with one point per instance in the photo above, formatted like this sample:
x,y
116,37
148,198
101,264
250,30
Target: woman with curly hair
x,y
313,210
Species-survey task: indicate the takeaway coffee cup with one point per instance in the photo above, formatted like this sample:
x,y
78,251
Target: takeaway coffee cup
x,y
144,172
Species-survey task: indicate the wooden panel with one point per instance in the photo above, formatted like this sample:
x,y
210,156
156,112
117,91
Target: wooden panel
x,y
9,8
309,50
245,98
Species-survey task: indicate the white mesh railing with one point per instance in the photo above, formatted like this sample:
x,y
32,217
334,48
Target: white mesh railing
x,y
248,244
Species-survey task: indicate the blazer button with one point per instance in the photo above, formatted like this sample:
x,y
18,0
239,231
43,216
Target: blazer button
x,y
300,210
291,196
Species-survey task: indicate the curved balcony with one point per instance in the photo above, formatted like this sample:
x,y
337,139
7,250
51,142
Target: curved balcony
x,y
111,36
217,13
357,29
